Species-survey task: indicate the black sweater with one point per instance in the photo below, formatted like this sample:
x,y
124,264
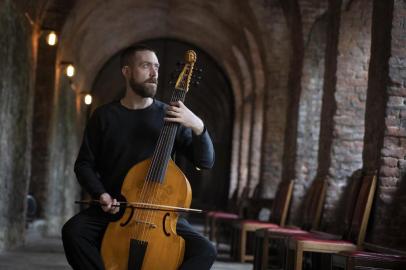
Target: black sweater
x,y
116,138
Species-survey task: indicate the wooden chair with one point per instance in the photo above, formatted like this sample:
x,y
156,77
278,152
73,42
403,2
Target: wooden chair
x,y
312,209
280,207
355,237
213,218
273,243
367,260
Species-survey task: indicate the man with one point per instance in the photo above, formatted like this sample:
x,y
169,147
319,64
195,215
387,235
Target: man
x,y
120,135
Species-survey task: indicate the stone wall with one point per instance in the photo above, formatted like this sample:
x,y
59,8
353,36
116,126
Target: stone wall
x,y
52,18
16,94
62,187
43,109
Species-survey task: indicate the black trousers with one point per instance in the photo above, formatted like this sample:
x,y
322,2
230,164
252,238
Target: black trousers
x,y
82,236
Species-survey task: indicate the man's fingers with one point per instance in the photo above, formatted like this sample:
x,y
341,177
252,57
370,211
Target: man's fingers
x,y
107,207
176,103
173,109
115,207
172,113
172,119
107,202
112,206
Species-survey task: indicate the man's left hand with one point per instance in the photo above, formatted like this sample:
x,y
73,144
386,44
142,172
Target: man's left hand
x,y
177,112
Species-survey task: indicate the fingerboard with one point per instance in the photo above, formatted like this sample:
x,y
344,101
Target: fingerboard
x,y
163,150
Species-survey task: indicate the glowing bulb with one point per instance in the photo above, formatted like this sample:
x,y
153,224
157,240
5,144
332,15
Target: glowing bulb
x,y
52,38
70,70
88,99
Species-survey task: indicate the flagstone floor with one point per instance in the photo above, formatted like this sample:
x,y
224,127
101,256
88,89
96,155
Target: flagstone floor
x,y
40,253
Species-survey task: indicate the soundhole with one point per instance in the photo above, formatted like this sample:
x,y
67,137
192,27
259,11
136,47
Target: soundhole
x,y
164,224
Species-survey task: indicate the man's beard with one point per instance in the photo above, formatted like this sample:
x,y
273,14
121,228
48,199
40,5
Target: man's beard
x,y
145,89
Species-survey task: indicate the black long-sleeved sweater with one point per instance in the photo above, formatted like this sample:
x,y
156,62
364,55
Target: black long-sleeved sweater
x,y
116,138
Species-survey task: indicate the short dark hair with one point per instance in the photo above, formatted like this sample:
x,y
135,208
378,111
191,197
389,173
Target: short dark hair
x,y
127,55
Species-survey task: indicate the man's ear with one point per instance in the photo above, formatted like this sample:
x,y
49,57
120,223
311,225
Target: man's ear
x,y
126,71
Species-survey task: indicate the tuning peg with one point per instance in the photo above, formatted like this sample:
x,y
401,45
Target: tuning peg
x,y
196,83
199,70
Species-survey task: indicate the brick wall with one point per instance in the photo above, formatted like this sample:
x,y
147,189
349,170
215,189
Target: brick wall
x,y
389,216
277,54
309,115
350,96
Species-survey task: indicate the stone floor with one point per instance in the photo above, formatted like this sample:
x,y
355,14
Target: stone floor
x,y
47,254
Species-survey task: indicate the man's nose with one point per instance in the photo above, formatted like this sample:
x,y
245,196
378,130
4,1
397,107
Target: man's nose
x,y
153,72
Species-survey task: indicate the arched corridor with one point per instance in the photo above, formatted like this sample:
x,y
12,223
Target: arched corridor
x,y
295,90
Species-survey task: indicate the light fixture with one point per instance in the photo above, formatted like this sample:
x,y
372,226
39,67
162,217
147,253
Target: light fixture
x,y
88,99
70,70
51,38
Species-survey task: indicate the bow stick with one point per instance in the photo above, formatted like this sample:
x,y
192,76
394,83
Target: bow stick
x,y
146,206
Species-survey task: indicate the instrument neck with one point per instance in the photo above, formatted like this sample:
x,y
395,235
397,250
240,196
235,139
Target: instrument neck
x,y
163,150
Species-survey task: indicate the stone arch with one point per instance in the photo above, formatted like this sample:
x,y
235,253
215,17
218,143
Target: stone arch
x,y
85,43
85,30
212,100
246,109
257,110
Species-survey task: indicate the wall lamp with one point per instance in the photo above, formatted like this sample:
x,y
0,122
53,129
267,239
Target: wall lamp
x,y
88,99
51,37
69,69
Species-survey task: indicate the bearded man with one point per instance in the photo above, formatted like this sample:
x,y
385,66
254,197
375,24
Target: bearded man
x,y
119,135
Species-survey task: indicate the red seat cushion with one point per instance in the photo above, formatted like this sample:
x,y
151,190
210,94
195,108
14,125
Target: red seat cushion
x,y
257,222
314,238
374,256
224,215
287,231
210,213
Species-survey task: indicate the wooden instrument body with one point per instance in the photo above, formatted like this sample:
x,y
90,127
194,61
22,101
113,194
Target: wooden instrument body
x,y
163,251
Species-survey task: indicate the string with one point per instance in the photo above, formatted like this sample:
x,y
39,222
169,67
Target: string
x,y
163,160
157,169
146,186
144,192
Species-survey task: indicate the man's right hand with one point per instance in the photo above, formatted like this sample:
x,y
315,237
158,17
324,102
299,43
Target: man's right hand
x,y
109,204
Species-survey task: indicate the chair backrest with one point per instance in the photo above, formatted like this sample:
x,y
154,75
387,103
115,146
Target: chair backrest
x,y
280,205
235,202
313,205
243,202
350,196
362,209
